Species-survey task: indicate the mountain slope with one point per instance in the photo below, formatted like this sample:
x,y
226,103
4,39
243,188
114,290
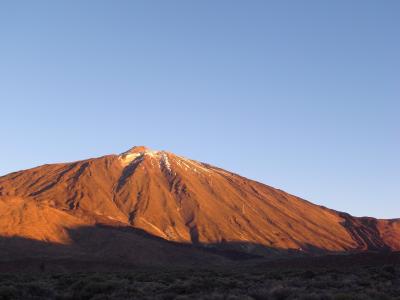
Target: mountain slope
x,y
178,200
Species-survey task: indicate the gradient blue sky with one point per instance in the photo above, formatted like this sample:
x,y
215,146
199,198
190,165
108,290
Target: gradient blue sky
x,y
301,95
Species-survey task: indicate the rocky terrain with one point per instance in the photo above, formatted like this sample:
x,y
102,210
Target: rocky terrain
x,y
154,207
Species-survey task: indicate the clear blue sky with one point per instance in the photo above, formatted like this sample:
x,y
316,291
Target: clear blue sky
x,y
300,95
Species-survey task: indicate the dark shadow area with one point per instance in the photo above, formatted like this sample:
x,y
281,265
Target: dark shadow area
x,y
104,247
127,172
113,248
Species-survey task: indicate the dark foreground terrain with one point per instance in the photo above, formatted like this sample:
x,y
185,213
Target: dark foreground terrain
x,y
350,277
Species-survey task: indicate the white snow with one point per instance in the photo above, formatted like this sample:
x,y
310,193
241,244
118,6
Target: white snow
x,y
151,153
126,159
129,156
192,165
164,159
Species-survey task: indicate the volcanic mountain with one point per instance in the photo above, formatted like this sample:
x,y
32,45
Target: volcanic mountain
x,y
145,205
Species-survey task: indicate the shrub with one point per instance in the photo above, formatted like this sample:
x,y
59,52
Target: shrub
x,y
86,289
38,290
343,296
310,297
167,296
8,293
281,293
260,293
389,269
308,274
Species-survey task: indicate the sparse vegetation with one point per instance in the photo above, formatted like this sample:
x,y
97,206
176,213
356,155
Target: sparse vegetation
x,y
361,283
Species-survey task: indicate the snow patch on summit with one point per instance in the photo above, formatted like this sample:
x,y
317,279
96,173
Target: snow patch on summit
x,y
126,159
136,152
163,159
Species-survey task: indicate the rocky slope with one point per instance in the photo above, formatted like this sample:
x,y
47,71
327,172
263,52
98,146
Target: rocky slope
x,y
157,200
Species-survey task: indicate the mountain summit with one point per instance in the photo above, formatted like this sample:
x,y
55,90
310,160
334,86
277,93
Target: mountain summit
x,y
146,205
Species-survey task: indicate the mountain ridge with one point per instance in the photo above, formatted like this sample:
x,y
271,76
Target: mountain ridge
x,y
182,201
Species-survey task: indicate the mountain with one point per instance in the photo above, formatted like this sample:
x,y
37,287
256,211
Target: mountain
x,y
154,206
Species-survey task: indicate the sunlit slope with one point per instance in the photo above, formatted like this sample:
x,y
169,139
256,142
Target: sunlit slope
x,y
180,200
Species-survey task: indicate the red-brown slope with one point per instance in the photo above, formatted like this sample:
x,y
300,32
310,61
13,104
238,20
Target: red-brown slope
x,y
179,200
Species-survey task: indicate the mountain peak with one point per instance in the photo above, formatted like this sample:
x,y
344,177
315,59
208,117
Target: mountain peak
x,y
135,152
137,149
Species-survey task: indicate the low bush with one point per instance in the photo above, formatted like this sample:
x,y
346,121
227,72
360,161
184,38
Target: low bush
x,y
8,292
376,283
